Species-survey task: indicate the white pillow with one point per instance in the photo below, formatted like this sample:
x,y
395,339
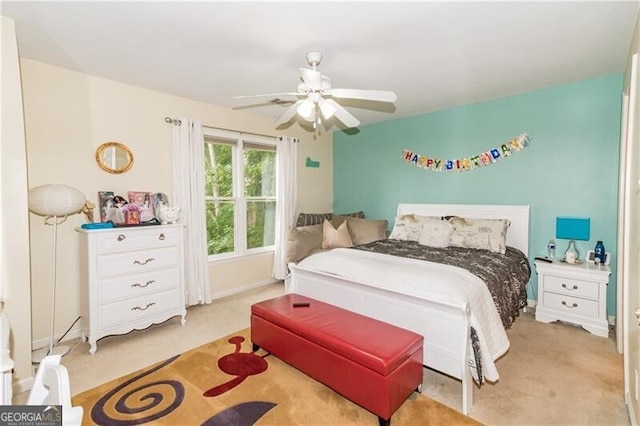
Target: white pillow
x,y
334,238
436,233
408,227
488,234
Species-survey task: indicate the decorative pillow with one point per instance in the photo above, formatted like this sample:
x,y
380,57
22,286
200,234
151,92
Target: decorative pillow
x,y
408,227
363,231
308,219
436,233
302,241
488,234
334,238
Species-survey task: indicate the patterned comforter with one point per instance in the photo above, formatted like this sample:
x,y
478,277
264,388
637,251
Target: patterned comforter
x,y
506,275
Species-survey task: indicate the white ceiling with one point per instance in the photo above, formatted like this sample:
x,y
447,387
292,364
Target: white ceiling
x,y
433,55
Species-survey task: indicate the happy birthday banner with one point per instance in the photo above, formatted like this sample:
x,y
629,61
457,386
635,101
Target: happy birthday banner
x,y
468,163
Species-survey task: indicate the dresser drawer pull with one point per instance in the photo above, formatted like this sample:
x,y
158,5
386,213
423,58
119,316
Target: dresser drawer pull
x,y
161,237
121,237
573,305
143,285
575,287
138,308
144,262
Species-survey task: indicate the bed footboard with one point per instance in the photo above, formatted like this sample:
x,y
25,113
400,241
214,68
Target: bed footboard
x,y
445,327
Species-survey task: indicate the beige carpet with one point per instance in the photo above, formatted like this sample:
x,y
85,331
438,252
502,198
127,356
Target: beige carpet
x,y
223,383
553,374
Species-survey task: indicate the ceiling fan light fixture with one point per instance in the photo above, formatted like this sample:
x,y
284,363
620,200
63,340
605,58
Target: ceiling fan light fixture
x,y
306,109
327,109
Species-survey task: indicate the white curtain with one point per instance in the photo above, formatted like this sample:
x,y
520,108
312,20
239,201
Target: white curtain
x,y
287,193
188,190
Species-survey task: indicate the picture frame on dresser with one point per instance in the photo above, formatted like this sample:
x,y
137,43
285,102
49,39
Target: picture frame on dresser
x,y
591,257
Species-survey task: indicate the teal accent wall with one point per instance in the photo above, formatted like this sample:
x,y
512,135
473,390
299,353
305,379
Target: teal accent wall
x,y
570,167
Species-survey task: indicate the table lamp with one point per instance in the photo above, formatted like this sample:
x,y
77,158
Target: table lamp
x,y
573,228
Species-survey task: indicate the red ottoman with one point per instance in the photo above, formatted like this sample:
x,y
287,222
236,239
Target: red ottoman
x,y
373,364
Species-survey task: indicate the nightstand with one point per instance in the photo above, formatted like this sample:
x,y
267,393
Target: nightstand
x,y
575,293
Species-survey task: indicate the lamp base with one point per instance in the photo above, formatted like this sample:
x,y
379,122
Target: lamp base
x,y
40,354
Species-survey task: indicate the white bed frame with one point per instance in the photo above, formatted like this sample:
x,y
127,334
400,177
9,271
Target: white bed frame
x,y
445,327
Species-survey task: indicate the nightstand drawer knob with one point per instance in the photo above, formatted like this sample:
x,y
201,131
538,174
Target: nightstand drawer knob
x,y
573,305
574,287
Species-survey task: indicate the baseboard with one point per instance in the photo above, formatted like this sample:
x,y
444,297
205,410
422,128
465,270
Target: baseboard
x,y
632,414
23,385
612,320
242,289
74,333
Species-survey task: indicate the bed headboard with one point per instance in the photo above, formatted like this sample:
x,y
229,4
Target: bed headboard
x,y
517,235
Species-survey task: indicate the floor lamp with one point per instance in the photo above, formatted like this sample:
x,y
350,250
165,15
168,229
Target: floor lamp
x,y
55,203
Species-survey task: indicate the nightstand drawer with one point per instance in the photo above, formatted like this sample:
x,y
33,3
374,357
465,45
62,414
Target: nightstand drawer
x,y
571,287
572,305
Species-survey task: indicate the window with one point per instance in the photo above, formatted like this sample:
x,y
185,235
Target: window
x,y
240,192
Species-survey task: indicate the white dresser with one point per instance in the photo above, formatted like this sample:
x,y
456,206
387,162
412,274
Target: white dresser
x,y
575,293
133,277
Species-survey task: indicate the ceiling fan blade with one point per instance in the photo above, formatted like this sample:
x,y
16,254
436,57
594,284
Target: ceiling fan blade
x,y
265,95
312,79
289,113
369,95
343,115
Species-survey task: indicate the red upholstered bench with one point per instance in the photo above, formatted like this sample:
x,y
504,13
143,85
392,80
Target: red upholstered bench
x,y
374,364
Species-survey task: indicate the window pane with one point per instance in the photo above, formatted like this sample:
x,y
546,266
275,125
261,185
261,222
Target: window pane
x,y
259,172
220,227
218,170
261,223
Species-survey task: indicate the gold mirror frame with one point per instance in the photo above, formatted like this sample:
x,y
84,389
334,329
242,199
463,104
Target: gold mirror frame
x,y
114,157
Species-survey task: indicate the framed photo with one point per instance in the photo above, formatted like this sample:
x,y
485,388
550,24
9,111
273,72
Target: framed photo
x,y
591,256
143,201
158,199
105,202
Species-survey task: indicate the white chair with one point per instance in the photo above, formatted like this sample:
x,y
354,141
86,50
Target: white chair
x,y
51,387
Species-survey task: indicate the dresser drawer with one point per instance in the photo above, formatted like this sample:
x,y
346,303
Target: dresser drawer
x,y
111,265
137,285
138,308
124,240
571,287
572,305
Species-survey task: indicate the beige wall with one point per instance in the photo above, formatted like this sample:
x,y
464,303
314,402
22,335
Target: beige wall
x,y
69,114
14,221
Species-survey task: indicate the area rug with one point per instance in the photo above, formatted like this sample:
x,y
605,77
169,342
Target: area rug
x,y
225,383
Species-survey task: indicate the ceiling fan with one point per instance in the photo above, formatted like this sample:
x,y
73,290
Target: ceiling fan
x,y
317,97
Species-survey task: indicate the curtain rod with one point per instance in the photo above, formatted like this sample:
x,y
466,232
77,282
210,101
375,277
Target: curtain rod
x,y
177,122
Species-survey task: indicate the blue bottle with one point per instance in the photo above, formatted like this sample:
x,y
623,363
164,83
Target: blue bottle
x,y
599,253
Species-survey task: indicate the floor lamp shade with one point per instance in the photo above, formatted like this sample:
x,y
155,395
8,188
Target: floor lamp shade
x,y
55,200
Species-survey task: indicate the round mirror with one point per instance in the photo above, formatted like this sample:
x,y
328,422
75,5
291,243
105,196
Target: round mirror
x,y
114,157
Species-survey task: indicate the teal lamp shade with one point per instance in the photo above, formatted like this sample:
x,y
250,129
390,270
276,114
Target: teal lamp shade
x,y
573,228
